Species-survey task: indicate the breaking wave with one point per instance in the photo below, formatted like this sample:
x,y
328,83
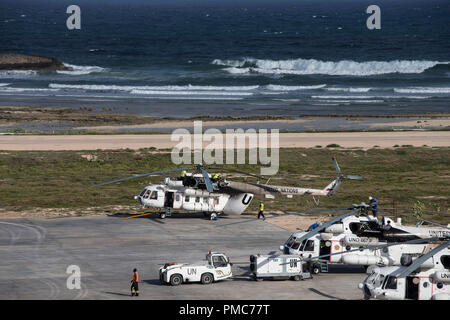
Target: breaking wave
x,y
179,92
16,73
349,89
423,90
75,70
313,66
293,88
100,87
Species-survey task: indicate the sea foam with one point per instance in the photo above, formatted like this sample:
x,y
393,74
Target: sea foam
x,y
313,66
423,90
80,70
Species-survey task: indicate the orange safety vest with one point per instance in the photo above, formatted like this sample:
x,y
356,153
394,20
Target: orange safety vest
x,y
135,277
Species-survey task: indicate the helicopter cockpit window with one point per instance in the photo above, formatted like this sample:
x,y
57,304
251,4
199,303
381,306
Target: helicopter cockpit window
x,y
309,246
290,241
295,245
146,194
390,283
375,279
445,260
154,195
379,281
218,261
371,278
142,192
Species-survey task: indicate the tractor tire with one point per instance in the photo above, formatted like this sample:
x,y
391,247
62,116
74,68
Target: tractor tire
x,y
207,278
296,278
176,279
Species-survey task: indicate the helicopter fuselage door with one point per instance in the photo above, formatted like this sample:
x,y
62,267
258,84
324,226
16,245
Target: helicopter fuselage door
x,y
178,200
412,288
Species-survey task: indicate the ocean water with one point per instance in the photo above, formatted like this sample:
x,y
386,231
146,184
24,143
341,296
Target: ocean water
x,y
241,58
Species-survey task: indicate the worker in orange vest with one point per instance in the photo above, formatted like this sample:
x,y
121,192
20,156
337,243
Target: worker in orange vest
x,y
134,283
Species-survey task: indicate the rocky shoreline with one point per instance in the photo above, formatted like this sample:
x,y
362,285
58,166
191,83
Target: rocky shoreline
x,y
13,61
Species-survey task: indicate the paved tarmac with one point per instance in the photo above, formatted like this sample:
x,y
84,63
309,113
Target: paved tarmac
x,y
35,254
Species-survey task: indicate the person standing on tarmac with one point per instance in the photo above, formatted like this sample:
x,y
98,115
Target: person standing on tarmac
x,y
261,210
134,283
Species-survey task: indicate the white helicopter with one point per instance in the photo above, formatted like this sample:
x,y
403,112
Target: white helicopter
x,y
340,236
425,277
213,195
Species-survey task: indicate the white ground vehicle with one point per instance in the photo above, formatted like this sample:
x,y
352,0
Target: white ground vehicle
x,y
216,267
277,266
418,278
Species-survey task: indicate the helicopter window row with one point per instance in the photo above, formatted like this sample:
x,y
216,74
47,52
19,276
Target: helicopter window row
x,y
197,199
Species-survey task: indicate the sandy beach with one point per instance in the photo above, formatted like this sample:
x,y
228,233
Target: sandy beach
x,y
363,140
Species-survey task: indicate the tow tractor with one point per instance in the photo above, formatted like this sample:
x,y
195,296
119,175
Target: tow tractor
x,y
280,266
216,267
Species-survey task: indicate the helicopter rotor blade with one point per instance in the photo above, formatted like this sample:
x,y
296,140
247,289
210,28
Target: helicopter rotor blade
x,y
418,262
337,166
354,177
237,171
436,224
327,224
208,183
140,176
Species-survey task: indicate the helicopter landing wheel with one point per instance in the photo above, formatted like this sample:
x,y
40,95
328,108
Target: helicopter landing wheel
x,y
213,216
162,215
315,269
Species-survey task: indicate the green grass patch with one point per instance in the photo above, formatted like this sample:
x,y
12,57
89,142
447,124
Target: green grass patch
x,y
65,179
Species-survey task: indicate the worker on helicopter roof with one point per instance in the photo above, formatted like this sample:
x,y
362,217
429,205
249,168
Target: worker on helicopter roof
x,y
374,205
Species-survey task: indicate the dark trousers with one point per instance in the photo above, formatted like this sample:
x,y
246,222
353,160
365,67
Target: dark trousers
x,y
261,213
134,288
